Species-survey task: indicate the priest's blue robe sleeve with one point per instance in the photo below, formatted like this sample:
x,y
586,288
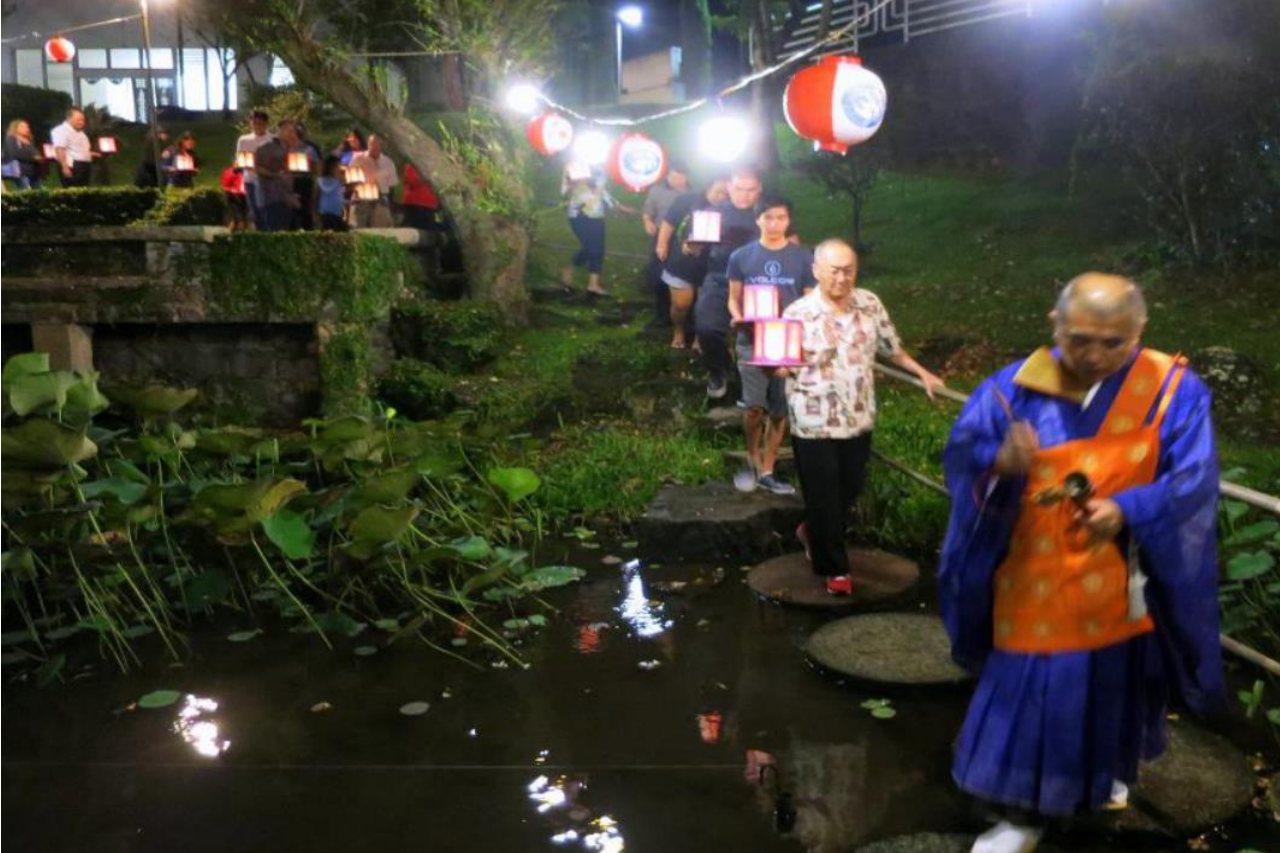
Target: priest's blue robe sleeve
x,y
984,508
1174,520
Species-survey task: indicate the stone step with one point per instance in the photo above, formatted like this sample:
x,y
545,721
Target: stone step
x,y
879,579
714,521
891,649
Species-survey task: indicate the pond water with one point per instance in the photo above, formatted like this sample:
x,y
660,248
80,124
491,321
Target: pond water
x,y
642,724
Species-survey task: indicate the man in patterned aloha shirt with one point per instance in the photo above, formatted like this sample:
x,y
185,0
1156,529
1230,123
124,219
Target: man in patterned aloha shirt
x,y
831,401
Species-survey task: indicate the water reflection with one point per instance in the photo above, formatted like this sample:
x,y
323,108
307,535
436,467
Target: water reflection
x,y
196,729
558,800
643,615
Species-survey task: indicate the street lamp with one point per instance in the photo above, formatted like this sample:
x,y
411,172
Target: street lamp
x,y
151,89
633,17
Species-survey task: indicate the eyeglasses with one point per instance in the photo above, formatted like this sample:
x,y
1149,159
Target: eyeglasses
x,y
843,272
1078,341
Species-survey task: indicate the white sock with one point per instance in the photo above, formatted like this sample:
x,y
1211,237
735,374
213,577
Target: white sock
x,y
1006,837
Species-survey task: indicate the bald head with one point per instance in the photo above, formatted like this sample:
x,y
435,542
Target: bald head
x,y
1101,296
1096,323
835,251
835,266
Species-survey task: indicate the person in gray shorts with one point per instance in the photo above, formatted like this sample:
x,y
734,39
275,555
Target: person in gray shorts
x,y
771,260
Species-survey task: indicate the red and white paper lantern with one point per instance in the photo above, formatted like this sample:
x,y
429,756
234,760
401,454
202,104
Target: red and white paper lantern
x,y
836,102
778,343
59,49
637,162
759,302
550,133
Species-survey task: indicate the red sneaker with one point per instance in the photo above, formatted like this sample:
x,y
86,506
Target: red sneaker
x,y
840,585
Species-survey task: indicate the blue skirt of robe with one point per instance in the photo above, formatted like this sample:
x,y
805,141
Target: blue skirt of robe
x,y
1050,732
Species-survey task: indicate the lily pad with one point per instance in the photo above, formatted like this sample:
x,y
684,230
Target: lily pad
x,y
42,443
516,483
244,636
365,651
159,699
415,709
290,532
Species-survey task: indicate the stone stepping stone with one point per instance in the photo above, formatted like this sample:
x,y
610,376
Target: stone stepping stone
x,y
902,649
878,578
715,521
934,842
1201,780
724,417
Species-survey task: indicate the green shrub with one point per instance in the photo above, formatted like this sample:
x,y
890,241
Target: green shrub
x,y
454,336
42,108
417,390
200,206
78,207
302,276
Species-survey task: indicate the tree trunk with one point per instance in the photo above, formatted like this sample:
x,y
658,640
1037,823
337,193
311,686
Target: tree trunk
x,y
494,248
762,93
695,51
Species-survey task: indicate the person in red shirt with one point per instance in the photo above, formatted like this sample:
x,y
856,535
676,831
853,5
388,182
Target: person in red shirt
x,y
421,206
237,200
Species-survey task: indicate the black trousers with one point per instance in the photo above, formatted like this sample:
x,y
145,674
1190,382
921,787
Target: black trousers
x,y
832,473
79,174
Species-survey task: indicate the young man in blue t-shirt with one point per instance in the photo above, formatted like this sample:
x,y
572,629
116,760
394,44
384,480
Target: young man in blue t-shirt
x,y
776,261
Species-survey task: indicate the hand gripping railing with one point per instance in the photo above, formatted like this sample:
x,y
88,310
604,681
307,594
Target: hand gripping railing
x,y
1233,490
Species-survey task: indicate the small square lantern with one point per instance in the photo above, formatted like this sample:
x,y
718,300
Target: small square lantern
x,y
705,227
244,159
299,161
184,163
107,144
367,192
759,302
778,343
353,175
579,171
50,151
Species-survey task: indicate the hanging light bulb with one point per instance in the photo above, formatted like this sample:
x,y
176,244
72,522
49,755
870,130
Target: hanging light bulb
x,y
591,147
723,138
523,98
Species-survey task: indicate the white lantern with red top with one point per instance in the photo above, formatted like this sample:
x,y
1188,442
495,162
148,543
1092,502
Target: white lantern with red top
x,y
778,343
299,161
549,133
59,49
637,162
759,302
184,163
353,175
107,145
244,159
704,227
49,150
836,102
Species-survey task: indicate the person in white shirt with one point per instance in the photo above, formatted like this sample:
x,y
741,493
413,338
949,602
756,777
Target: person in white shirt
x,y
73,151
378,168
251,142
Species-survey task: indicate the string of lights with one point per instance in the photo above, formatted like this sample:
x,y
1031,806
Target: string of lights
x,y
124,19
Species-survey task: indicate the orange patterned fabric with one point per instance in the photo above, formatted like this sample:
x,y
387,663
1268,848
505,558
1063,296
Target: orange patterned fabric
x,y
1055,591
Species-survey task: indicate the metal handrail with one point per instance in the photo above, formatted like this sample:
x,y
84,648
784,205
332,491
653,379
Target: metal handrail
x,y
1240,493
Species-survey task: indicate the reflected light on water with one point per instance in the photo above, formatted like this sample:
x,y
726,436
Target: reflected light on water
x,y
198,730
607,838
644,616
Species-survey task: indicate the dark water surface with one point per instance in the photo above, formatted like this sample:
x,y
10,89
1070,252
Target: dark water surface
x,y
630,730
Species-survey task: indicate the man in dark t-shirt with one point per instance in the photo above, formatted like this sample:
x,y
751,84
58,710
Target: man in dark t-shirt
x,y
775,261
685,263
711,314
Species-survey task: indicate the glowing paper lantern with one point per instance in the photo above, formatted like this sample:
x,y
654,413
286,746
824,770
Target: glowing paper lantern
x,y
549,133
49,150
705,227
759,302
637,162
59,49
578,171
353,175
184,163
724,138
299,162
244,159
835,102
591,148
778,343
107,144
367,192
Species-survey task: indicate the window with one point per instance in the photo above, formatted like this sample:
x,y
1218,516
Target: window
x,y
92,57
218,93
162,58
195,90
62,78
114,93
280,73
30,67
126,57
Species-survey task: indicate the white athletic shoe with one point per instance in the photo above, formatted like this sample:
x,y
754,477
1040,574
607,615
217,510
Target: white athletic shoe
x,y
1006,837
